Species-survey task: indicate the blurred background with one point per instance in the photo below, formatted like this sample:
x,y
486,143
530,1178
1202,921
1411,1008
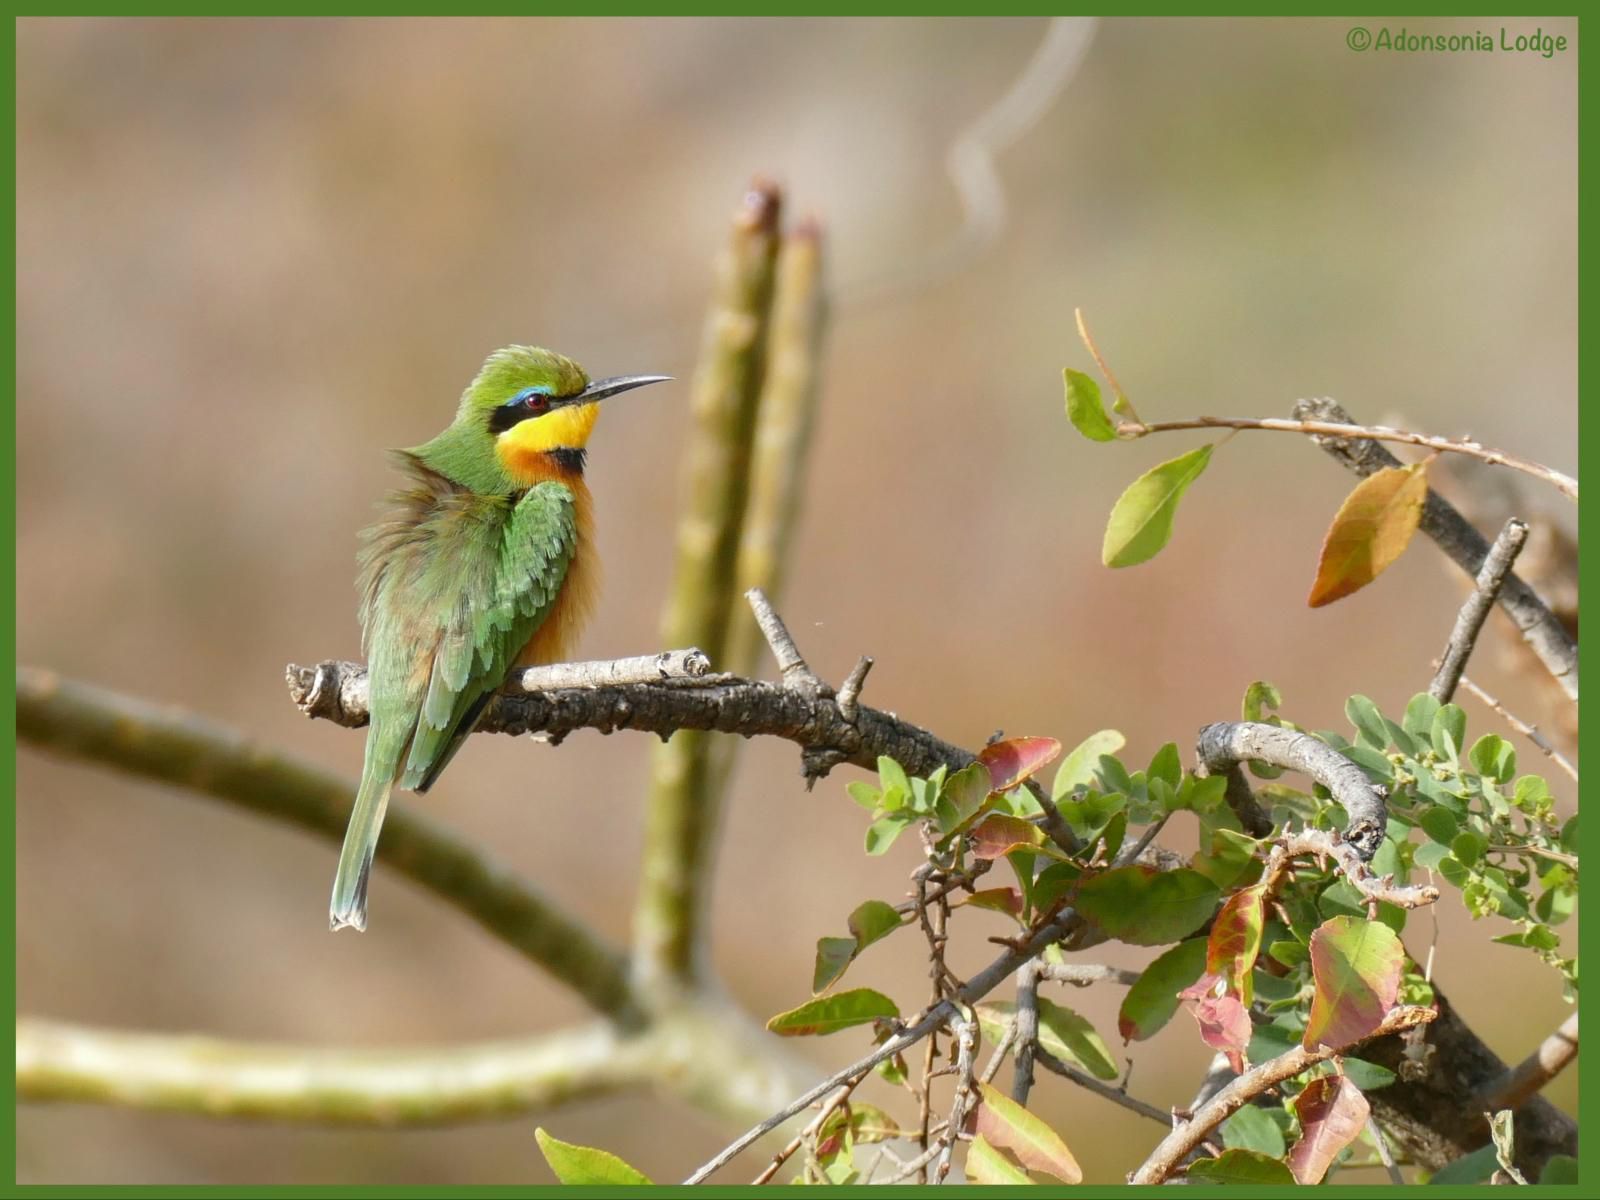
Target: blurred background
x,y
253,254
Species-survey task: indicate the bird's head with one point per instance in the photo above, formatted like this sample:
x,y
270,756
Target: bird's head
x,y
526,417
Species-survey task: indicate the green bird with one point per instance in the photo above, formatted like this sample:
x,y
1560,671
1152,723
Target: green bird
x,y
486,564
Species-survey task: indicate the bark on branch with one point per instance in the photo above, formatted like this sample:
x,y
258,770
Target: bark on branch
x,y
1455,535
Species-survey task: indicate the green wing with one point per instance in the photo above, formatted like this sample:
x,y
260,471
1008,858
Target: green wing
x,y
453,609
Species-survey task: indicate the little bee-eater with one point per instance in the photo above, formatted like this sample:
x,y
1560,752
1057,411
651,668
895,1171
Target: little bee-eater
x,y
487,563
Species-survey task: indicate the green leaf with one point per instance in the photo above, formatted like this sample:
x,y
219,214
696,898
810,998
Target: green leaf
x,y
882,832
1068,1035
1368,1076
1085,409
586,1165
1054,882
1468,847
1495,757
864,794
834,955
1006,1123
1153,998
1078,768
829,1014
892,775
1240,1167
1418,721
1166,765
1141,519
962,796
1252,1129
1448,731
1560,1168
997,835
1357,966
986,1165
1146,907
1439,824
1006,900
1364,715
1472,1168
1372,528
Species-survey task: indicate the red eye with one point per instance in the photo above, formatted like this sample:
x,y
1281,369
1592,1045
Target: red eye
x,y
536,402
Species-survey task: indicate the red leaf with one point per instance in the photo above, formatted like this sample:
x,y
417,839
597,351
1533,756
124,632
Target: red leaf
x,y
1001,899
998,834
1236,939
1013,760
1357,966
1224,1021
1332,1113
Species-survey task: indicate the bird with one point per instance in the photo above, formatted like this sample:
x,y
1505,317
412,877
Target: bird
x,y
485,563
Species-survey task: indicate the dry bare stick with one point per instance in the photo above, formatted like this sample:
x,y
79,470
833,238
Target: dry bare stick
x,y
810,1131
1083,974
1167,1156
1475,610
1565,484
1520,726
1100,1088
1454,534
1528,1078
681,812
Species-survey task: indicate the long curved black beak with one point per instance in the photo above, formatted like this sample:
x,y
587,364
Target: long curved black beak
x,y
617,384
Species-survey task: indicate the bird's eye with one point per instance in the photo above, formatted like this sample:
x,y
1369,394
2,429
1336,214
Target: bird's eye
x,y
535,401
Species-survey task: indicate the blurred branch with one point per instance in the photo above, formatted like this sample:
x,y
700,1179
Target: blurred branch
x,y
1347,430
682,813
1176,1145
176,747
1513,1088
708,1054
1455,535
1473,613
787,414
217,1078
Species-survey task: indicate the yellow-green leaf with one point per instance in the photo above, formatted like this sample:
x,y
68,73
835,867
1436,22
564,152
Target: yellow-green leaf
x,y
1085,409
1141,519
829,1014
1357,965
1006,1123
1371,529
987,1165
586,1165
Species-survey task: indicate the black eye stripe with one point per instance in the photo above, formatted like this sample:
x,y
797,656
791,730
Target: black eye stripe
x,y
519,408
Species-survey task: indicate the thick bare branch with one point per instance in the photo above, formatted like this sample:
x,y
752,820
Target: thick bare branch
x,y
177,747
1455,535
1167,1156
1469,621
1226,745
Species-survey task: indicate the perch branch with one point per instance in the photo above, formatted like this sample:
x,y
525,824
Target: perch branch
x,y
1026,1028
1167,1156
176,747
1565,484
1469,621
1455,535
682,809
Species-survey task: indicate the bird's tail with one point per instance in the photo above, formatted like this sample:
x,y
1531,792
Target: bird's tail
x,y
348,908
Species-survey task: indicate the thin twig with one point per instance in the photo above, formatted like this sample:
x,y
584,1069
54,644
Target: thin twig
x,y
1123,404
1230,1099
1101,1088
966,1038
1527,1078
1565,484
1546,636
1083,974
850,689
1520,726
1469,621
1385,1155
810,1131
791,663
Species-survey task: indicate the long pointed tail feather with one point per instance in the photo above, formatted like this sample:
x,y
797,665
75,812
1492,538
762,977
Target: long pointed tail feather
x,y
348,908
